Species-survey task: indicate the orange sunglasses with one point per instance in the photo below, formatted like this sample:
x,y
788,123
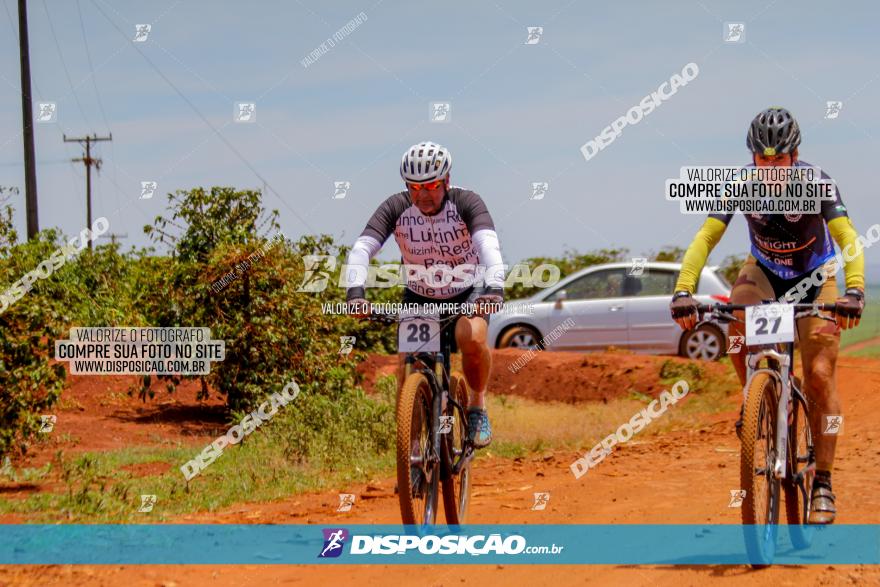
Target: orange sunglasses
x,y
433,185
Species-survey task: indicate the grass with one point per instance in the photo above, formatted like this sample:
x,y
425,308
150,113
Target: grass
x,y
869,352
98,489
522,426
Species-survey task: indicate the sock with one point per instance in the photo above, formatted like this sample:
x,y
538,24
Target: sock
x,y
822,478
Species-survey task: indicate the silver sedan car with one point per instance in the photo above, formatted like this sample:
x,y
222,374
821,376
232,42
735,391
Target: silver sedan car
x,y
613,305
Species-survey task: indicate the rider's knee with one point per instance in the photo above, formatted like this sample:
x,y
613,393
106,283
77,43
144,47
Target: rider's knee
x,y
470,334
820,373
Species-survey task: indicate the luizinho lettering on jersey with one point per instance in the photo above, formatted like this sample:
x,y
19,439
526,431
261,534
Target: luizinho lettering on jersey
x,y
461,235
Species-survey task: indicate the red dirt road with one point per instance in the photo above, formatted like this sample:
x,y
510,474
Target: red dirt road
x,y
683,477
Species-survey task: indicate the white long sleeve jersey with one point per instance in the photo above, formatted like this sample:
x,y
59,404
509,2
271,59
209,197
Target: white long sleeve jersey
x,y
461,235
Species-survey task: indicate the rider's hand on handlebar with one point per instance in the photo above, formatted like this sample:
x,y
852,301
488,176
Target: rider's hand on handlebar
x,y
684,310
849,309
359,308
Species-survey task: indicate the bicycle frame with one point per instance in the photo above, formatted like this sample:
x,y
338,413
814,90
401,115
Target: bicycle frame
x,y
427,363
782,375
780,362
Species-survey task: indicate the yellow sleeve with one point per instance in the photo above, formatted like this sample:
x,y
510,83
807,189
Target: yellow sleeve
x,y
698,253
851,248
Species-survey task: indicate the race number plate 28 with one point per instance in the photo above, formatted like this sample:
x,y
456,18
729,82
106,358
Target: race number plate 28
x,y
418,333
769,323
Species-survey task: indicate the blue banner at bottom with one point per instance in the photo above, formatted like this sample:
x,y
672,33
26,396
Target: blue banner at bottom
x,y
204,544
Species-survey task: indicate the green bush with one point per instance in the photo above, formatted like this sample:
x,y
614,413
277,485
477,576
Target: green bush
x,y
273,333
730,267
673,370
332,421
29,384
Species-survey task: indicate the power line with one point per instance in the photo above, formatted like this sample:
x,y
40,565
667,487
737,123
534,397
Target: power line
x,y
64,64
82,27
98,94
36,88
207,122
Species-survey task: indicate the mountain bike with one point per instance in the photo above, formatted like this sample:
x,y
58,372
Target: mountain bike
x,y
433,448
774,458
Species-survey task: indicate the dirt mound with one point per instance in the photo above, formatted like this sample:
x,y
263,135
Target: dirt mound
x,y
570,377
374,367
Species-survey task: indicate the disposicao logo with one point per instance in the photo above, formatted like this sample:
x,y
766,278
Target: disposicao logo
x,y
334,540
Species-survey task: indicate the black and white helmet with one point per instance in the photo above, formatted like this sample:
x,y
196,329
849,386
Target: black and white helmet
x,y
425,162
773,132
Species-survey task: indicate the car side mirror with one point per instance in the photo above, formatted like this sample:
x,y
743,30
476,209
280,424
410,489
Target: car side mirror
x,y
560,295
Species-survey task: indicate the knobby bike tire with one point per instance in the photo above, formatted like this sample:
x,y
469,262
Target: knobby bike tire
x,y
759,420
414,421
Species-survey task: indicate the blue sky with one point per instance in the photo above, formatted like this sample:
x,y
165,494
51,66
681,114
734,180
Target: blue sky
x,y
519,112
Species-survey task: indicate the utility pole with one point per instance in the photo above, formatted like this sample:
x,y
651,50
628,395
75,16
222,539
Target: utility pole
x,y
27,116
88,161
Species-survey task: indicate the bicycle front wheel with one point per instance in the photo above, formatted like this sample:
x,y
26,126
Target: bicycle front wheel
x,y
418,473
760,505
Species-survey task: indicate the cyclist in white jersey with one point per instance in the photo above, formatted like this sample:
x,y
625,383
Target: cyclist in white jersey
x,y
445,228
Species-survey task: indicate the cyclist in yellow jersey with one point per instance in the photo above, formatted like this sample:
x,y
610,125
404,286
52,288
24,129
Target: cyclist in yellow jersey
x,y
785,250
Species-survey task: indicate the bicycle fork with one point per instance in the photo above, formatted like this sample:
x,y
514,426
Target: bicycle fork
x,y
782,410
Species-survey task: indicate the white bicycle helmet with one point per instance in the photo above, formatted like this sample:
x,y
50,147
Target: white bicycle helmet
x,y
425,162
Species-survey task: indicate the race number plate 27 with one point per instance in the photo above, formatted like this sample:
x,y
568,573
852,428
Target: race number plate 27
x,y
769,323
418,333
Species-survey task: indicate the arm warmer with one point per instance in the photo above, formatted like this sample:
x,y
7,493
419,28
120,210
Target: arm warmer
x,y
489,251
364,249
851,248
698,253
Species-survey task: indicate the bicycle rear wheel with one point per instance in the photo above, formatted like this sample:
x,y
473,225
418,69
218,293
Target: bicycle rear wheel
x,y
798,487
456,488
417,470
760,506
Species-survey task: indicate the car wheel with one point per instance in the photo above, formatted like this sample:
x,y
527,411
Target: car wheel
x,y
706,343
520,337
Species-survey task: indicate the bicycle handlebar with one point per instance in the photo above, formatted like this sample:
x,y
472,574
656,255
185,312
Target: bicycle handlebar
x,y
722,312
704,308
382,318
